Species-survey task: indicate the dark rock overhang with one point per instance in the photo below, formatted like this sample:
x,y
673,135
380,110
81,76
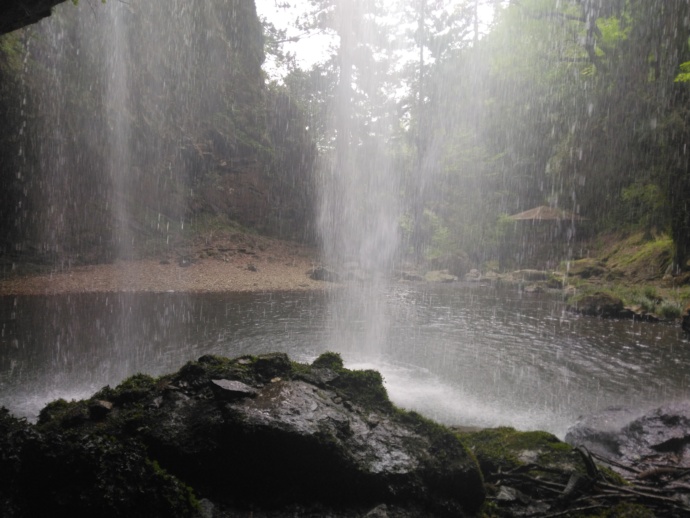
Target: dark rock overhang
x,y
15,14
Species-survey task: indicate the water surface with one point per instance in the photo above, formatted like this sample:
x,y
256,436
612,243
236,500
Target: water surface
x,y
461,354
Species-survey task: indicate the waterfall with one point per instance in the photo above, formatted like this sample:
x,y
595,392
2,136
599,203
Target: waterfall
x,y
360,212
138,117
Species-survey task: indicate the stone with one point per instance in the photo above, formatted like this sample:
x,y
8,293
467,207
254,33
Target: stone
x,y
98,409
439,276
660,436
473,275
321,273
268,434
15,15
411,276
599,304
229,389
531,275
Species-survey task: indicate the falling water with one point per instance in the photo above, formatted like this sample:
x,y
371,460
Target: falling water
x,y
359,211
134,115
118,107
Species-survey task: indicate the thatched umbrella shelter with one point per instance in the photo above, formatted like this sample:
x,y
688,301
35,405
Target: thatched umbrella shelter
x,y
542,244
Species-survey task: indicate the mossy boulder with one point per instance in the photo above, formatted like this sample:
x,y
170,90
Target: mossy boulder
x,y
599,303
504,448
263,432
535,474
69,473
439,276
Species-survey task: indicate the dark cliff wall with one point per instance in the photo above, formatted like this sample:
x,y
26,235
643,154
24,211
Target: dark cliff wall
x,y
127,124
15,14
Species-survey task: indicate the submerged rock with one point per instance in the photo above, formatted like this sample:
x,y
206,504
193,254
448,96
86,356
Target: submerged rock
x,y
439,276
265,433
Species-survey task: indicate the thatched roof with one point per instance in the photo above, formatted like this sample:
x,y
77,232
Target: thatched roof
x,y
544,213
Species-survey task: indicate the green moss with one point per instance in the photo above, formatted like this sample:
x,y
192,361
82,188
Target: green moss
x,y
328,360
63,413
210,367
182,497
669,310
444,443
132,389
364,387
506,448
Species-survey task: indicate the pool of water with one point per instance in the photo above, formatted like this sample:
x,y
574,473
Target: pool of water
x,y
461,354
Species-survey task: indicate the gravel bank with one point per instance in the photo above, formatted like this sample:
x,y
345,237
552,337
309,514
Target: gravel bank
x,y
268,266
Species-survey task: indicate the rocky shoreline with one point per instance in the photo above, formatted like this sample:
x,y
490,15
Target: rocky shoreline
x,y
265,437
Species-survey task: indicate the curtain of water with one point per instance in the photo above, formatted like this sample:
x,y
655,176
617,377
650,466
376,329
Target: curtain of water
x,y
118,107
359,203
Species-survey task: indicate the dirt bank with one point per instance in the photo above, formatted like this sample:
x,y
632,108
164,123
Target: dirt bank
x,y
248,264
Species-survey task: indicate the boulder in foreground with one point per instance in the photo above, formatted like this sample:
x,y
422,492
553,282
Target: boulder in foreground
x,y
259,434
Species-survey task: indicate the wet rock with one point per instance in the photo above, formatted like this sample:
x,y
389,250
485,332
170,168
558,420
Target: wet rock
x,y
439,276
231,390
599,304
411,276
48,472
531,275
98,409
14,15
263,432
473,275
533,288
321,273
457,264
658,436
274,365
380,511
586,268
637,312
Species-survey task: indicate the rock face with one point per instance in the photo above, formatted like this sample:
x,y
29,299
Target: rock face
x,y
17,14
659,436
262,432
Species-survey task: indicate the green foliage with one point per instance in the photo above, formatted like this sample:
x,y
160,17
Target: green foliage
x,y
684,73
613,31
437,235
643,204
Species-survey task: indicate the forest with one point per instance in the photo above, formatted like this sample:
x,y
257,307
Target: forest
x,y
578,105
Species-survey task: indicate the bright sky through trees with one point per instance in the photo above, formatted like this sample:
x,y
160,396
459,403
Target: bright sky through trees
x,y
311,48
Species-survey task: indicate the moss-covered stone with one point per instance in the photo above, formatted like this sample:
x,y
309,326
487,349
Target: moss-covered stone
x,y
48,472
505,448
328,360
300,434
